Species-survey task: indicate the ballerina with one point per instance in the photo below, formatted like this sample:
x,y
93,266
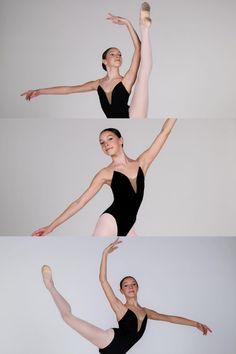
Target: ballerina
x,y
114,89
131,317
126,178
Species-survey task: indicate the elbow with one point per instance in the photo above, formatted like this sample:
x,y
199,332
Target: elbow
x,y
102,280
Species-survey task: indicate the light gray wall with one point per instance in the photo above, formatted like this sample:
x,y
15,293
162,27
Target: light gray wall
x,y
57,42
191,277
46,164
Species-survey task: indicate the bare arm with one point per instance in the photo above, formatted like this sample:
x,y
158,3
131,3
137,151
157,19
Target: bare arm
x,y
147,157
131,74
115,303
153,315
61,90
75,206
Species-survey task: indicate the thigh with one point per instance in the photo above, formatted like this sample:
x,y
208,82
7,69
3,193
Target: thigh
x,y
106,226
95,335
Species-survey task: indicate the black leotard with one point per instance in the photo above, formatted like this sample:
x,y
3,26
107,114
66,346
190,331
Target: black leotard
x,y
126,200
118,108
126,335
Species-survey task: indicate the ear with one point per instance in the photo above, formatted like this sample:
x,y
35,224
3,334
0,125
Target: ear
x,y
121,291
104,61
121,141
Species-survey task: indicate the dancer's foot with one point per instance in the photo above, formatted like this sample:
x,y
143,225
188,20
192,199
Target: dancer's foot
x,y
47,276
145,18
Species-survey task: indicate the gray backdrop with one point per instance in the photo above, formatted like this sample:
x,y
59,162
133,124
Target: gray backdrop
x,y
57,42
191,277
46,164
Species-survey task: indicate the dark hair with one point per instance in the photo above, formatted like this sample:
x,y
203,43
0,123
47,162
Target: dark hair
x,y
127,276
104,55
112,130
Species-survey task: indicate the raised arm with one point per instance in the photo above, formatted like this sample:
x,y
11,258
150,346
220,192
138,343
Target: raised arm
x,y
75,206
115,303
153,315
131,74
61,90
147,157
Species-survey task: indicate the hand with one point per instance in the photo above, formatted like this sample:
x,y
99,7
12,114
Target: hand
x,y
112,247
203,328
117,19
43,231
30,94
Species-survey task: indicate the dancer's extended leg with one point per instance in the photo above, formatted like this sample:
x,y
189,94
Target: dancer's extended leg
x,y
106,226
100,338
139,104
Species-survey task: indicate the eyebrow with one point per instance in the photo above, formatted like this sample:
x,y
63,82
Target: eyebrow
x,y
114,51
108,136
125,282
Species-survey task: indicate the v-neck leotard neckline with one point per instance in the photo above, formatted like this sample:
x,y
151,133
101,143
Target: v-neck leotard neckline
x,y
127,201
138,321
132,181
118,106
126,335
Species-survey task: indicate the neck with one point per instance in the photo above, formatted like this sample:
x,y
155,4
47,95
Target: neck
x,y
132,302
120,158
113,73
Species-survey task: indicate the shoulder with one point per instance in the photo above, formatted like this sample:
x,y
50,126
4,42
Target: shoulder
x,y
101,81
105,173
95,84
151,314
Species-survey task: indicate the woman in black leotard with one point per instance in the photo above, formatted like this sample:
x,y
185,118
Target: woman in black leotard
x,y
131,317
126,178
114,89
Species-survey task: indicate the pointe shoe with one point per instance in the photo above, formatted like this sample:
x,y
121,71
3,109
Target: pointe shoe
x,y
145,18
47,275
46,268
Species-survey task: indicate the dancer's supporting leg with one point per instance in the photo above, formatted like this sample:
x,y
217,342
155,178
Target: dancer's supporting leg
x,y
100,338
139,104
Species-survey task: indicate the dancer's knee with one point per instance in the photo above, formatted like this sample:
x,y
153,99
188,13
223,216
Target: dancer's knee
x,y
67,316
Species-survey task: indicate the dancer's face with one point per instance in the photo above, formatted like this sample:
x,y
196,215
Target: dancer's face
x,y
129,287
110,143
113,58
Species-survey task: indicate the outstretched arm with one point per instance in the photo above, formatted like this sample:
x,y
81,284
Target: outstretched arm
x,y
147,157
131,74
115,303
153,315
61,90
75,206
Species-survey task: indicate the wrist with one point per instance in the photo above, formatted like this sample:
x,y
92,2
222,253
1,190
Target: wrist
x,y
51,227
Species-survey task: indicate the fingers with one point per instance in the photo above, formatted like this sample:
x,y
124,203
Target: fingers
x,y
115,19
30,94
110,16
40,232
113,246
204,329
